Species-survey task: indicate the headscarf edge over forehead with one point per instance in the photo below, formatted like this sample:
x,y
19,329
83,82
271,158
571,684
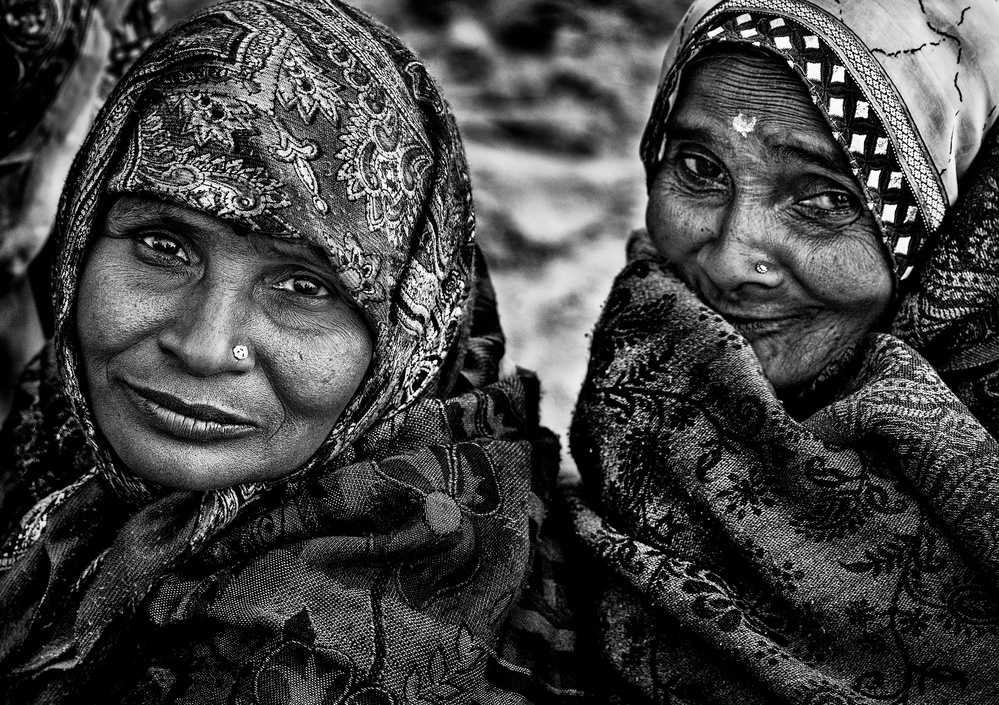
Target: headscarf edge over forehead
x,y
397,166
909,91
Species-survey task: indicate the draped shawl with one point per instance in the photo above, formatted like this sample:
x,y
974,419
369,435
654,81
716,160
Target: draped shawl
x,y
842,546
381,570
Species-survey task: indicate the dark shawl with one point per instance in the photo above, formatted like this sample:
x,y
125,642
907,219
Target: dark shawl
x,y
839,547
380,571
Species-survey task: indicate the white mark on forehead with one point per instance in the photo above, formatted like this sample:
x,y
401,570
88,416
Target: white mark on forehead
x,y
743,125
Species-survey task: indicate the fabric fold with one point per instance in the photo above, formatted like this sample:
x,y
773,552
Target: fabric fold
x,y
848,555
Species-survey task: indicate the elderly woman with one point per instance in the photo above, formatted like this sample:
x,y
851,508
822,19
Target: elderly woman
x,y
269,456
787,435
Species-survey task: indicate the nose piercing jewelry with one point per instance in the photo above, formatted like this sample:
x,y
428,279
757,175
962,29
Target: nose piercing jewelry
x,y
762,268
240,352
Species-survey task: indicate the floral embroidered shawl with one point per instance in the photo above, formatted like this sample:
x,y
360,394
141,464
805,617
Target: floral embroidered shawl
x,y
840,547
383,569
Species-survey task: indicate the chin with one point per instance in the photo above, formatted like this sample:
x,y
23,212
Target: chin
x,y
189,473
788,375
189,466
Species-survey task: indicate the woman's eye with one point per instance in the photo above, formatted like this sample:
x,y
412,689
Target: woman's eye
x,y
304,286
701,168
165,245
837,202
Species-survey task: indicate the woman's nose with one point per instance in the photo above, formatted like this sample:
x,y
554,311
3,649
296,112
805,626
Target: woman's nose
x,y
743,251
207,335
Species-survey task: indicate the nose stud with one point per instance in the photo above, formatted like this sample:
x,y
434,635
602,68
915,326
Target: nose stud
x,y
240,352
760,267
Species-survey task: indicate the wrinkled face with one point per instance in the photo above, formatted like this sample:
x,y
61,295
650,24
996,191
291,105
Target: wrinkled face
x,y
166,296
757,208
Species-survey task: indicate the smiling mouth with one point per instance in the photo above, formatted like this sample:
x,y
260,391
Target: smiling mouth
x,y
193,422
752,327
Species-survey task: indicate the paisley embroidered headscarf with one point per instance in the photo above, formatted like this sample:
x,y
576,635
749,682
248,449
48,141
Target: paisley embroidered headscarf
x,y
394,552
842,548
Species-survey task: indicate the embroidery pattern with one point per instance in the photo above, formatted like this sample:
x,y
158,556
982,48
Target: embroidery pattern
x,y
845,557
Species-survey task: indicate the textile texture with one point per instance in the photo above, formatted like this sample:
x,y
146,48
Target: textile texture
x,y
382,570
385,580
951,314
750,557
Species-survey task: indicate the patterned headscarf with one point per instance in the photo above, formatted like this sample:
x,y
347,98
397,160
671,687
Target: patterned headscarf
x,y
908,89
307,123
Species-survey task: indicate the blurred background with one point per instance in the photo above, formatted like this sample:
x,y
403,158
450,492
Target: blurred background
x,y
551,97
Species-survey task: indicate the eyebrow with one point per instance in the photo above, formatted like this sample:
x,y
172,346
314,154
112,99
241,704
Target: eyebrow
x,y
129,213
833,160
306,252
300,249
689,133
785,150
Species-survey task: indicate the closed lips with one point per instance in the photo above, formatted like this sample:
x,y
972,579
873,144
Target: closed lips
x,y
749,320
201,412
762,324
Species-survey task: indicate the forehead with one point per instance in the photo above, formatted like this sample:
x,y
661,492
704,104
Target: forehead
x,y
739,95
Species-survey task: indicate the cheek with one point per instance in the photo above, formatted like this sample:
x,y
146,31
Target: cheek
x,y
854,277
110,318
315,379
675,226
